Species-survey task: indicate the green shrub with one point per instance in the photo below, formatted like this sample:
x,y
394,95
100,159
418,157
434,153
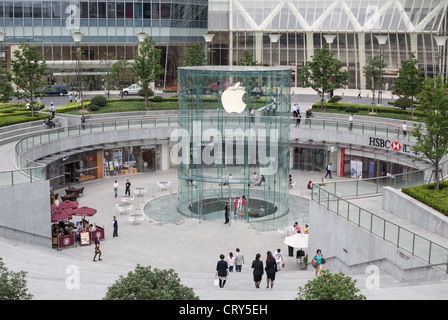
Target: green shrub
x,y
403,103
94,107
157,99
351,109
436,199
335,99
100,101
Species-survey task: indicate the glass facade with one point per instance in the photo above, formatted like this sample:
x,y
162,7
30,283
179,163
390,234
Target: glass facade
x,y
110,31
233,126
302,25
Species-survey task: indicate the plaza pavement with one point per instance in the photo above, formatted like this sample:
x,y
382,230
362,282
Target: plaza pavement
x,y
190,247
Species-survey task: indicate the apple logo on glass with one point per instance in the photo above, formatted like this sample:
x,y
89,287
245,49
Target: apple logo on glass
x,y
232,99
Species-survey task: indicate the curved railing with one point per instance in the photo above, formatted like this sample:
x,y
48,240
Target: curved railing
x,y
31,171
421,247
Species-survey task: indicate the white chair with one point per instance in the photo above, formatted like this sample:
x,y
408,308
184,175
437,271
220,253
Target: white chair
x,y
129,208
131,220
292,185
140,219
121,210
282,233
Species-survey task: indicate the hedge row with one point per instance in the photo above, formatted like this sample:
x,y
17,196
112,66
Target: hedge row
x,y
436,199
342,106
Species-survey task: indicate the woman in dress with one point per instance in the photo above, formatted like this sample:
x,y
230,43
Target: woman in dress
x,y
271,269
257,265
222,271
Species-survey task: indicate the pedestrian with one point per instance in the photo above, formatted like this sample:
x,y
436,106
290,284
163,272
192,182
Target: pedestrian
x,y
97,248
28,106
231,261
261,212
309,186
306,230
242,208
239,260
279,259
258,272
83,122
115,225
271,269
252,115
290,181
128,188
350,120
222,271
359,94
255,178
318,261
52,109
70,98
329,170
398,129
296,228
226,213
262,179
235,205
116,188
405,129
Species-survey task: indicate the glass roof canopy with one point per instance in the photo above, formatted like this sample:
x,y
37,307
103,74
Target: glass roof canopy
x,y
330,15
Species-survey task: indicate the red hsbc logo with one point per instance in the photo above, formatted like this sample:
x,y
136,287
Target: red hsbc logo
x,y
396,146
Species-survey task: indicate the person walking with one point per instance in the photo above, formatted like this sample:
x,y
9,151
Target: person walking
x,y
116,188
226,213
329,170
235,205
398,129
405,129
52,109
83,122
231,261
115,225
279,259
318,261
222,271
97,248
359,94
271,269
239,260
128,188
350,121
258,272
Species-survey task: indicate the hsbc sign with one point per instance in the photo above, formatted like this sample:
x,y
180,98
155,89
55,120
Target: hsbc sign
x,y
388,144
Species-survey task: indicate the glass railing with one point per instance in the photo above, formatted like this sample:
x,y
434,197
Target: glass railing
x,y
425,249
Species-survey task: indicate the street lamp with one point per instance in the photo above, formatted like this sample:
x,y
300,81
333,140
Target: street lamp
x,y
208,37
77,37
382,39
440,40
141,36
274,39
329,38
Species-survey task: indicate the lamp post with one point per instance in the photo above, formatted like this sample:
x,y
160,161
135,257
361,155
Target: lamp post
x,y
77,37
382,39
440,40
208,37
329,38
274,39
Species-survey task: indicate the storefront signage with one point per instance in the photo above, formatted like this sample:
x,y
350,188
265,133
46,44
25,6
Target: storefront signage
x,y
390,145
148,146
66,241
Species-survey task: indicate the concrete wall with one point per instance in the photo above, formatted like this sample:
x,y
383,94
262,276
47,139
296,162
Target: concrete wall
x,y
351,249
25,213
406,207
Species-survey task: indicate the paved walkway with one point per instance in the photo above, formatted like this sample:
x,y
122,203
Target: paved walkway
x,y
188,246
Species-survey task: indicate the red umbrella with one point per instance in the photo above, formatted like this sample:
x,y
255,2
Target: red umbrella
x,y
68,204
58,216
84,211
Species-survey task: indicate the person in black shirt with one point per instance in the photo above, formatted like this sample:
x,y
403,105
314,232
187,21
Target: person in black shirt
x,y
222,271
128,188
226,213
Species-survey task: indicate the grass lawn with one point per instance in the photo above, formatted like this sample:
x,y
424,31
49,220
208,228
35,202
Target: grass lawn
x,y
11,114
436,199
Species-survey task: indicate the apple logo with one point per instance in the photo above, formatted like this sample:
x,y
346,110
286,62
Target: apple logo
x,y
232,99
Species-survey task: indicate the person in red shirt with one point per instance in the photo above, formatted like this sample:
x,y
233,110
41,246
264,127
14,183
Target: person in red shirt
x,y
235,204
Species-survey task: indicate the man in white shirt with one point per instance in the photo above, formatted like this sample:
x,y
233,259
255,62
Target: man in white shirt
x,y
404,127
350,120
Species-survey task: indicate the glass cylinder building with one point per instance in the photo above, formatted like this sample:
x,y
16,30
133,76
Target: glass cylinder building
x,y
233,141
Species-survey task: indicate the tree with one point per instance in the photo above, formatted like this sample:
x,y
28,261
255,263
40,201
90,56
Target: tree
x,y
194,56
146,66
373,71
247,59
6,89
120,75
432,141
12,284
330,286
149,284
28,69
410,80
323,73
